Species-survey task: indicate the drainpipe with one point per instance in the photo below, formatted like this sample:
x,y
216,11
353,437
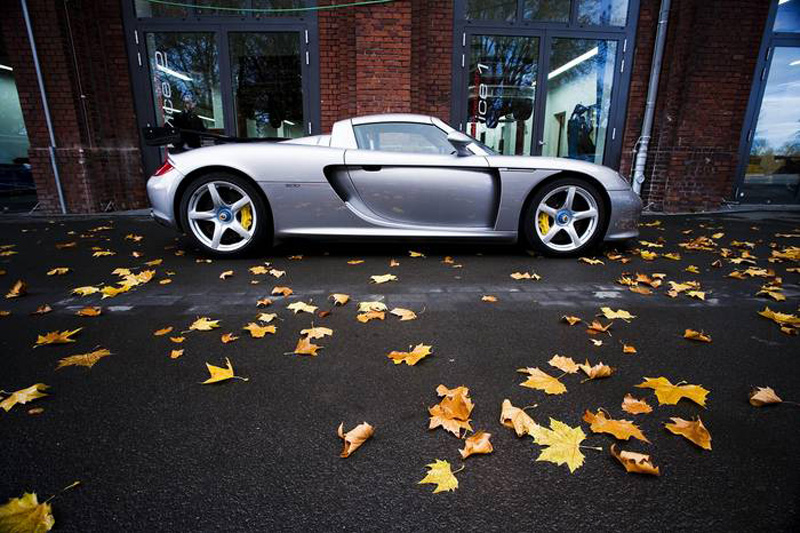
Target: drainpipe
x,y
652,94
45,106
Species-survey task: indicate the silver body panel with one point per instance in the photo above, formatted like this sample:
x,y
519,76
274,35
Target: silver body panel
x,y
324,185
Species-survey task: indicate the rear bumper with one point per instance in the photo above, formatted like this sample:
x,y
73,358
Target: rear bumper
x,y
626,208
161,193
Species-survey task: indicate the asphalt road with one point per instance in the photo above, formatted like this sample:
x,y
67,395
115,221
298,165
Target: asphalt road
x,y
157,451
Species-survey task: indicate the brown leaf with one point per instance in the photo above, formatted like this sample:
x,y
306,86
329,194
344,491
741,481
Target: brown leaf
x,y
57,337
19,288
638,463
258,331
162,331
597,371
411,358
89,311
517,419
404,314
263,302
488,298
635,406
628,348
85,359
621,429
306,347
354,438
694,431
174,354
452,413
228,337
696,336
42,310
283,291
477,443
761,396
596,327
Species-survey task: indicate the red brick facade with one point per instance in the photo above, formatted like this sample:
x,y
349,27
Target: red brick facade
x,y
393,57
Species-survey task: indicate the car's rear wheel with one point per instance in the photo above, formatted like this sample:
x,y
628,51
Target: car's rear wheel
x,y
224,214
565,218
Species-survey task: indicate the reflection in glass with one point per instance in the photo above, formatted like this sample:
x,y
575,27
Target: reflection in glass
x,y
279,4
773,171
491,9
788,17
267,84
16,181
186,85
145,8
603,12
546,10
501,91
578,98
224,7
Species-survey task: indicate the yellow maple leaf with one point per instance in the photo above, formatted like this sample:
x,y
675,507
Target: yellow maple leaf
x,y
488,298
110,291
264,302
647,255
782,319
562,444
415,254
24,396
256,270
383,278
154,262
316,333
619,313
227,338
542,381
628,348
103,253
276,273
218,374
526,275
85,359
174,354
700,295
453,411
696,336
596,371
283,291
517,419
638,463
89,311
355,261
670,394
477,443
365,307
591,261
204,324
404,314
354,438
340,299
298,307
439,474
565,364
635,406
621,429
266,317
410,358
306,347
571,320
257,331
694,431
162,331
370,315
58,271
57,337
177,340
26,515
85,291
19,288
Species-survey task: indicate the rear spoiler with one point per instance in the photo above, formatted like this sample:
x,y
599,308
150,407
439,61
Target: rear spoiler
x,y
164,135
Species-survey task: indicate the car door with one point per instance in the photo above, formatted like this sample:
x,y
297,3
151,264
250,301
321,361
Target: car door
x,y
408,173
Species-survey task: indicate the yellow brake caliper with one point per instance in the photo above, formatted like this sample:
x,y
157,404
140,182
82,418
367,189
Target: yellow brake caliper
x,y
247,217
544,223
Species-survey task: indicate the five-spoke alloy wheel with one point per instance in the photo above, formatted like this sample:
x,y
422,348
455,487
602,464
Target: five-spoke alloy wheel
x,y
223,213
566,217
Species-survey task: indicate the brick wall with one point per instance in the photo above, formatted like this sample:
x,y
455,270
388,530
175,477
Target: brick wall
x,y
385,58
706,77
82,53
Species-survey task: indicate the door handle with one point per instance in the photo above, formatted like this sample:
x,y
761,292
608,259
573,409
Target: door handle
x,y
542,143
371,168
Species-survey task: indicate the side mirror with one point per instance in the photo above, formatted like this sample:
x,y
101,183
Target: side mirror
x,y
460,142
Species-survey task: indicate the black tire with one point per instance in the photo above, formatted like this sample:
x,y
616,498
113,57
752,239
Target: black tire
x,y
263,231
530,235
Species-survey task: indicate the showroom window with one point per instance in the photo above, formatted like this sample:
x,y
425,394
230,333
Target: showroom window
x,y
544,77
244,68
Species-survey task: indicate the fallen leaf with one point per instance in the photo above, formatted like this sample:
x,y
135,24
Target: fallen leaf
x,y
177,340
204,324
670,394
365,307
404,314
410,358
218,374
628,348
226,274
453,411
277,273
692,268
257,331
439,474
24,396
36,411
696,336
57,337
257,270
89,311
264,302
591,261
306,347
477,443
761,396
571,320
383,279
596,342
58,271
85,291
517,419
597,371
415,254
340,299
526,275
103,253
26,515
620,313
782,319
488,298
355,261
154,262
700,295
370,315
562,444
647,255
620,429
637,463
694,431
316,333
354,438
565,364
596,327
162,331
85,359
298,307
542,381
635,406
283,291
19,288
42,310
228,337
266,317
174,354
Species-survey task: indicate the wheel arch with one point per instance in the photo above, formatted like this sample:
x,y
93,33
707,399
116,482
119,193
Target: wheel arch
x,y
565,174
198,173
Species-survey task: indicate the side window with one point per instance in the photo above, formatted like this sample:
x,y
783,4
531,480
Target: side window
x,y
403,137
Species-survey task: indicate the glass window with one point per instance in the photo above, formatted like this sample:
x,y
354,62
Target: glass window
x,y
145,8
788,17
773,170
17,190
547,10
278,5
492,9
219,7
267,84
186,84
603,12
501,89
578,98
403,137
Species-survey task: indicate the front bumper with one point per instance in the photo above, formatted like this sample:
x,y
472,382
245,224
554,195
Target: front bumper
x,y
626,208
161,193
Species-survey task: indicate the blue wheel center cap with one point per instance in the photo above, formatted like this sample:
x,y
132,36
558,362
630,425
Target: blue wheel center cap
x,y
563,217
225,215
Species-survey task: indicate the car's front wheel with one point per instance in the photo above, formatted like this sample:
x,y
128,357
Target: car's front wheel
x,y
224,214
565,218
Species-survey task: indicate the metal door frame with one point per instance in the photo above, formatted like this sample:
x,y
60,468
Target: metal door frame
x,y
625,37
222,26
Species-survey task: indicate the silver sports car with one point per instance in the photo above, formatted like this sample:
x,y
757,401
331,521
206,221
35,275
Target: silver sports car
x,y
389,176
